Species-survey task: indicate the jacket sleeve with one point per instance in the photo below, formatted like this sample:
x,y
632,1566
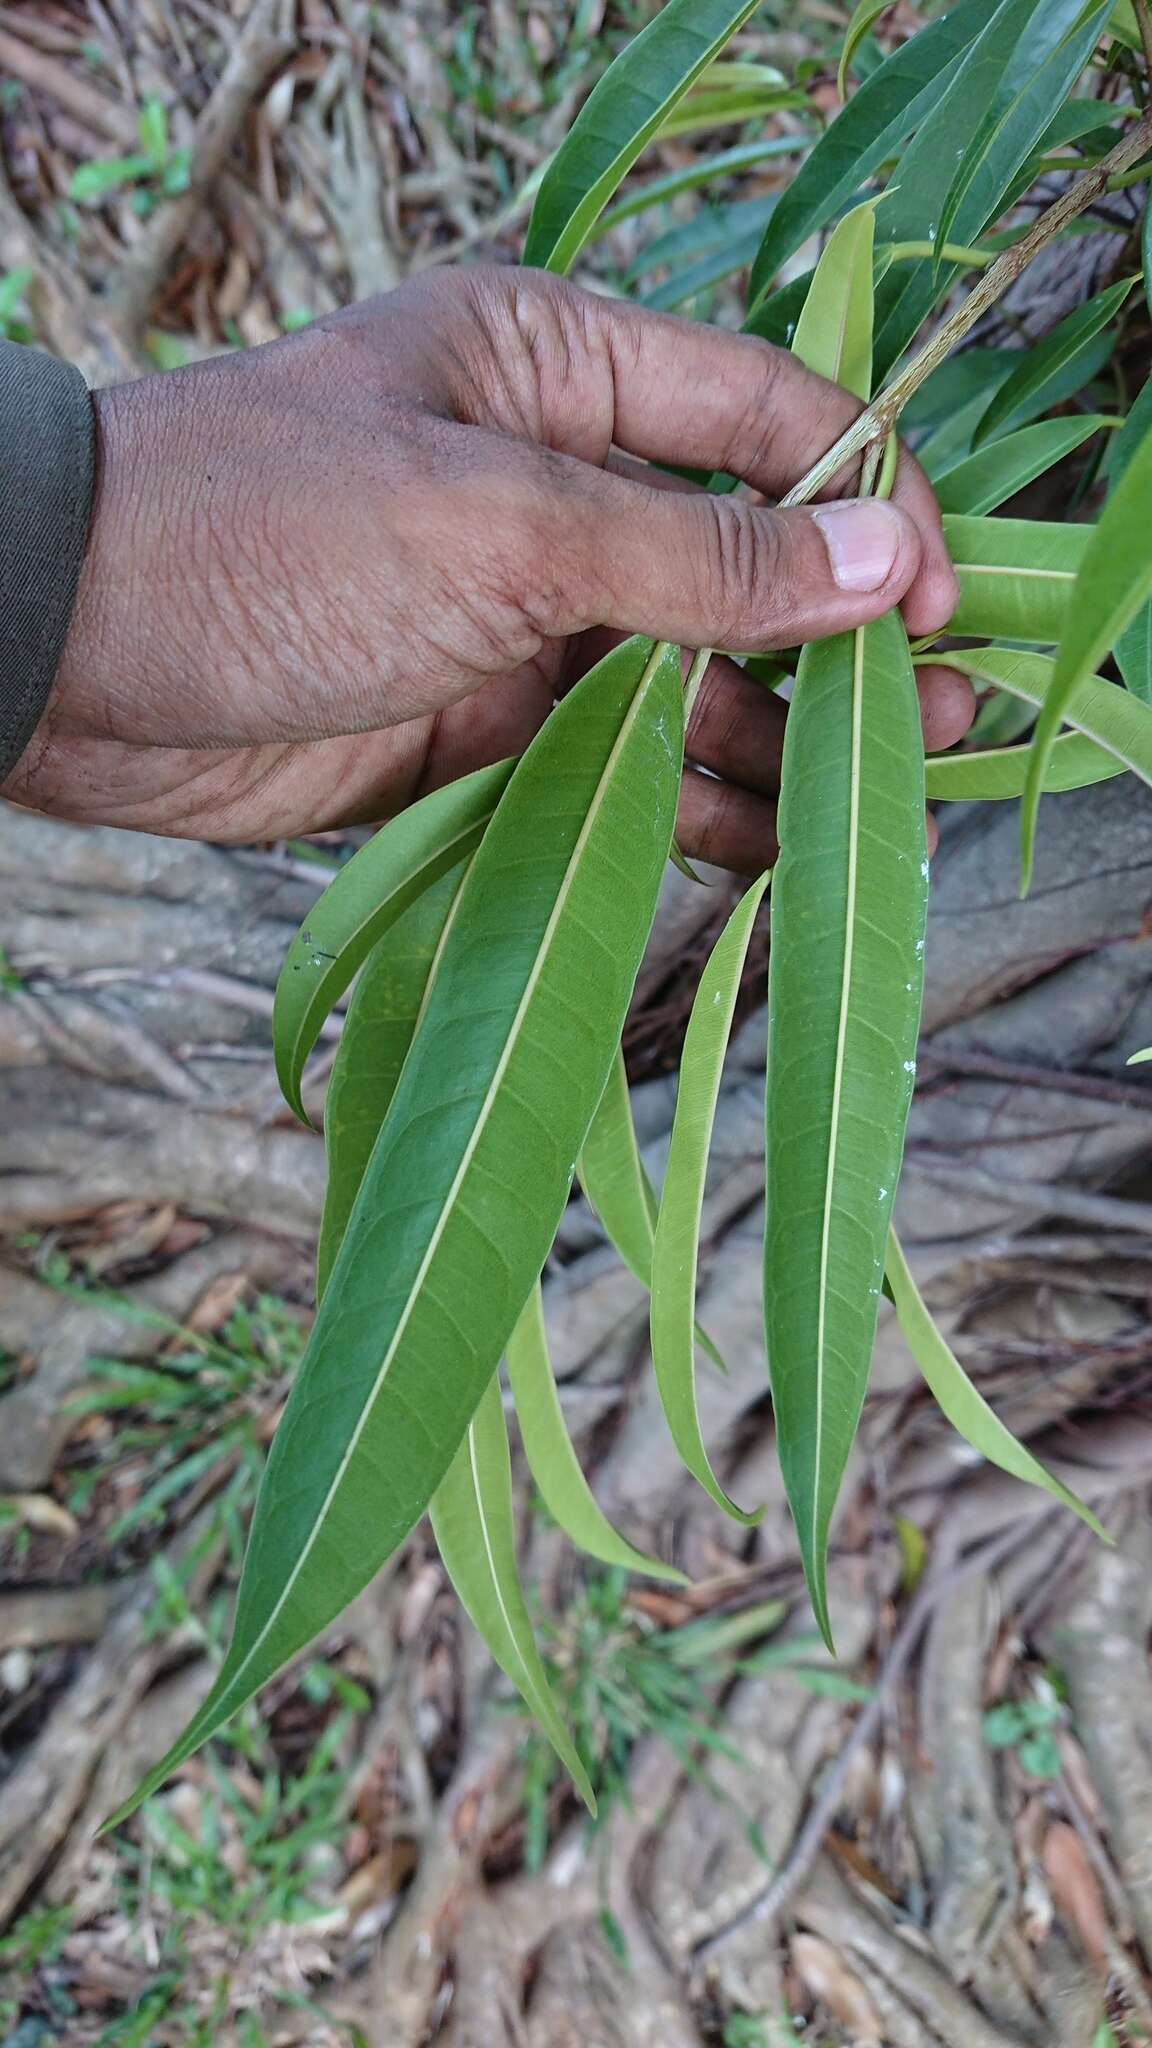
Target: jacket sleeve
x,y
47,438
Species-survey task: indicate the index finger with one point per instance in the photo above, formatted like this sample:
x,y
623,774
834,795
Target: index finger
x,y
702,396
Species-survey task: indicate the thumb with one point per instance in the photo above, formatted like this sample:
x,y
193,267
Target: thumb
x,y
719,572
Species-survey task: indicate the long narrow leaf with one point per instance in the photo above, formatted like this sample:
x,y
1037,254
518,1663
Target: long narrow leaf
x,y
620,116
474,1526
1115,580
703,170
1113,718
849,903
1041,365
612,1175
984,480
834,332
677,1243
470,1174
378,1028
1016,576
864,14
999,772
1007,134
551,1458
1134,644
965,1408
901,94
996,108
367,896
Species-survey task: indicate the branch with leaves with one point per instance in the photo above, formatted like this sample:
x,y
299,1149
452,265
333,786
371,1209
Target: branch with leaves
x,y
496,929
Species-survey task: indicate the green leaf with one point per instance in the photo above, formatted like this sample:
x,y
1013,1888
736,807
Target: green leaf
x,y
551,1458
474,1526
834,332
997,472
703,111
363,900
864,14
1134,644
378,1028
1112,717
681,1203
1137,1059
1114,581
619,118
965,1408
849,903
611,1173
93,181
703,170
1014,126
901,94
470,1174
1040,364
1016,576
996,109
732,249
1000,772
153,131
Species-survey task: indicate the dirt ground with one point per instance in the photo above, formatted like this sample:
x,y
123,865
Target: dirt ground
x,y
942,1839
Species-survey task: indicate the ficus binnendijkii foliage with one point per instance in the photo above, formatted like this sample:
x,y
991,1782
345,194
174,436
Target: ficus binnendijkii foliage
x,y
498,926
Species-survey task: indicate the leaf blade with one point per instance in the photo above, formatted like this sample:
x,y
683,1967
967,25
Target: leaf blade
x,y
620,116
834,332
452,1185
1106,714
1043,363
1016,576
958,1399
1115,580
677,1242
552,1459
367,896
845,987
474,1526
983,480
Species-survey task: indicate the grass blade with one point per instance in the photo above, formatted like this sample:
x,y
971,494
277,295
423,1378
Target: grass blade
x,y
1016,576
984,480
849,903
678,1225
1115,580
965,1408
551,1458
474,1526
471,1171
622,113
367,896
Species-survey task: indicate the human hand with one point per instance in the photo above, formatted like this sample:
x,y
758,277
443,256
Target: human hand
x,y
329,574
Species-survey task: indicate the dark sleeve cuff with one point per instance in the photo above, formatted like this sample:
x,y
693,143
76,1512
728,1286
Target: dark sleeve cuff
x,y
47,441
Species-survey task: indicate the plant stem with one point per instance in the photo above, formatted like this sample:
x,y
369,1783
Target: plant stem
x,y
1144,24
879,418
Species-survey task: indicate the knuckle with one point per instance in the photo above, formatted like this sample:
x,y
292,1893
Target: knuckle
x,y
740,564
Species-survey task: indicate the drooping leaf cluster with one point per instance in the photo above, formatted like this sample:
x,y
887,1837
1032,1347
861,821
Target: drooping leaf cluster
x,y
496,929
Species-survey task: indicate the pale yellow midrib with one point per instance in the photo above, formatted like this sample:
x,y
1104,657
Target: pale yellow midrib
x,y
1011,569
469,1153
841,1035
